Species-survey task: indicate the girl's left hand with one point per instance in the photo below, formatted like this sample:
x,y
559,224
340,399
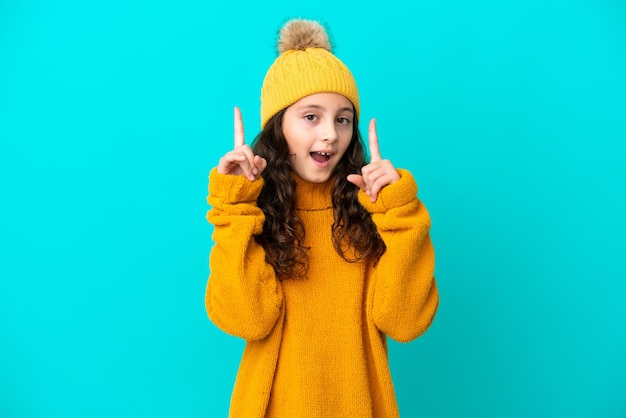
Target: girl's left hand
x,y
378,173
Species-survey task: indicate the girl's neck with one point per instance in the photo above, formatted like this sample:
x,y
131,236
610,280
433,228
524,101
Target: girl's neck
x,y
312,196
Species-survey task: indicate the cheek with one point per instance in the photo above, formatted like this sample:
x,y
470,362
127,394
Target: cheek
x,y
346,137
289,135
344,147
292,145
297,139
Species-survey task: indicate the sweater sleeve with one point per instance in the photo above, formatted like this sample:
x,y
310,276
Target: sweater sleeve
x,y
243,296
405,296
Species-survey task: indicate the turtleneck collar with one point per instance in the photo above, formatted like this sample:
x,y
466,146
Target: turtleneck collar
x,y
313,196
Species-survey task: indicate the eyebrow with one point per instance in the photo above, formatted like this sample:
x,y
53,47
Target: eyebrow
x,y
315,106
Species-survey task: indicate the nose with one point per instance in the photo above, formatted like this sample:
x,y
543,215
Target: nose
x,y
329,133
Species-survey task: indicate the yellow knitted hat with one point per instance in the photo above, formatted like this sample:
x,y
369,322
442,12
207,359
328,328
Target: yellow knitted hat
x,y
305,66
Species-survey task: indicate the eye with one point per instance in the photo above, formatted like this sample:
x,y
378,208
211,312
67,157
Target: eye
x,y
343,120
310,117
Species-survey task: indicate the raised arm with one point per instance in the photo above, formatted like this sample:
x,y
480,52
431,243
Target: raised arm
x,y
243,296
403,292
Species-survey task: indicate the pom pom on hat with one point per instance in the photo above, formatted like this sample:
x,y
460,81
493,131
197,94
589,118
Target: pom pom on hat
x,y
305,66
300,34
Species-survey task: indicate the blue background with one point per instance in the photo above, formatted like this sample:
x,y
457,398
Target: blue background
x,y
511,115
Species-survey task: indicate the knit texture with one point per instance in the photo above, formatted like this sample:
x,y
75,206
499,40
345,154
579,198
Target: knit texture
x,y
298,73
316,347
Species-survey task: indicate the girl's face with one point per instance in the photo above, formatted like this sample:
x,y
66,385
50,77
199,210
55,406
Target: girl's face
x,y
318,130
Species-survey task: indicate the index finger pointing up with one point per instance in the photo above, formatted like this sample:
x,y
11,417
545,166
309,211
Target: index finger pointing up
x,y
239,138
372,138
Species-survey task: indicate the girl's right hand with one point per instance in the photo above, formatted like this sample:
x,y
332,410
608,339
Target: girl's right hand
x,y
241,160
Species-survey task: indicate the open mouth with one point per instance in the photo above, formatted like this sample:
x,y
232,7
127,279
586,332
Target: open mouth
x,y
321,157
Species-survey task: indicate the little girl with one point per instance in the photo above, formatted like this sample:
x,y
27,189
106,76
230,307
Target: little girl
x,y
319,255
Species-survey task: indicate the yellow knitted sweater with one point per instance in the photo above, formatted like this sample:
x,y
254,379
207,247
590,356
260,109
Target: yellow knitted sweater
x,y
315,347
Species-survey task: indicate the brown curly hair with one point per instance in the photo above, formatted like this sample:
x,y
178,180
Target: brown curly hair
x,y
353,230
